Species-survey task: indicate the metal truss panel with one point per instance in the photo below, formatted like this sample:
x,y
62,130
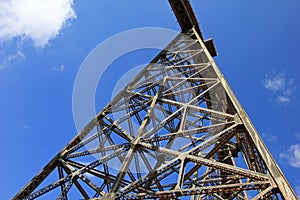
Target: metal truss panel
x,y
175,130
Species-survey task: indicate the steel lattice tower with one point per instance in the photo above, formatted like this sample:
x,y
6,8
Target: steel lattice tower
x,y
176,131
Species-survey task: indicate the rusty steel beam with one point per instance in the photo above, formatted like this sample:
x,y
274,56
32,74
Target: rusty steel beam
x,y
185,16
187,20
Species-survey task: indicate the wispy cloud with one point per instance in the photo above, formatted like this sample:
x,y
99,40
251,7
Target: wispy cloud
x,y
268,137
292,155
26,126
37,20
297,190
283,99
61,68
19,55
281,85
274,84
297,135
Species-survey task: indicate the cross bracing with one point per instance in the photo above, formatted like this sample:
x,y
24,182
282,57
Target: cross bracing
x,y
174,132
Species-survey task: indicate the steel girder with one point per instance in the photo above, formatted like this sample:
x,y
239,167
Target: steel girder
x,y
175,131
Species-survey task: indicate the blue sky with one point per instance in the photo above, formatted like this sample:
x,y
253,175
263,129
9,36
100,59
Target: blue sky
x,y
42,50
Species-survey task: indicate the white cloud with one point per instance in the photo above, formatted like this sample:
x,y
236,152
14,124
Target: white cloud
x,y
282,86
297,135
283,99
269,137
297,190
61,68
26,126
38,20
292,155
19,55
274,84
